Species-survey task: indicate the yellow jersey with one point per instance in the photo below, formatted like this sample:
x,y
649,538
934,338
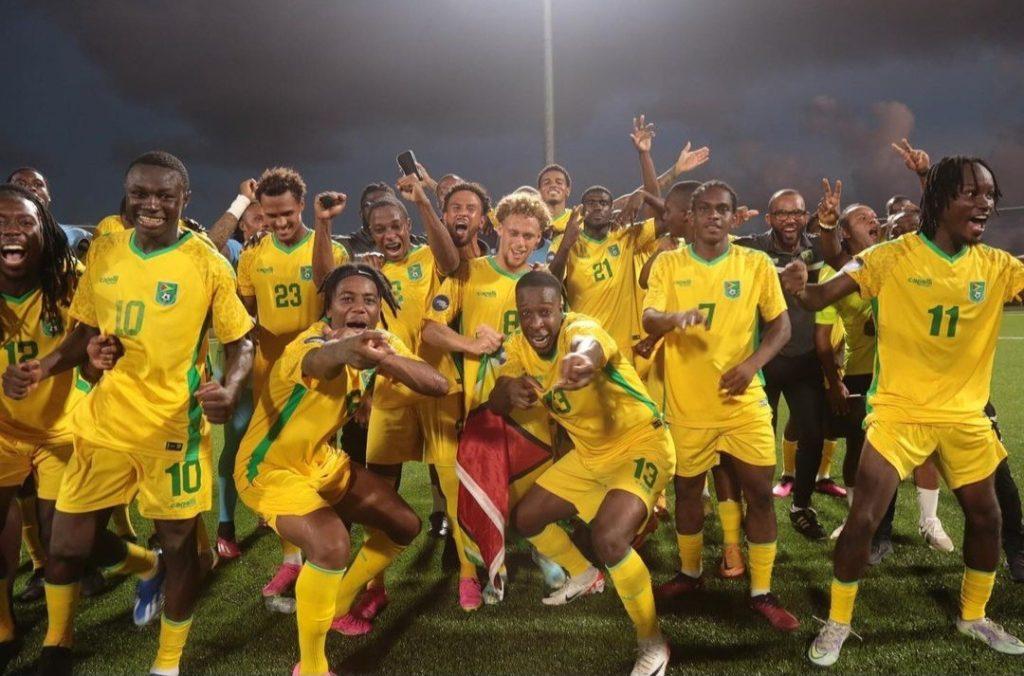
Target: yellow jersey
x,y
735,291
601,279
853,315
301,415
413,282
479,293
937,319
281,280
559,222
606,416
42,416
159,304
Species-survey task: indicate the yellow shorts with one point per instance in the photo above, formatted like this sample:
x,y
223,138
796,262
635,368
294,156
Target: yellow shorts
x,y
439,419
45,462
967,452
643,469
393,436
279,491
168,488
697,449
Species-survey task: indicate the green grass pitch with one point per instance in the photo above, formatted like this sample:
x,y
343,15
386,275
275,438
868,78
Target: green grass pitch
x,y
905,609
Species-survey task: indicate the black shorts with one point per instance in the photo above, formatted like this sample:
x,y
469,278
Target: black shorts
x,y
842,427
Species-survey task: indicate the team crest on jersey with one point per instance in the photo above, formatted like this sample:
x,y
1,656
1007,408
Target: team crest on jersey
x,y
614,250
732,289
440,303
49,328
976,291
166,293
306,271
415,271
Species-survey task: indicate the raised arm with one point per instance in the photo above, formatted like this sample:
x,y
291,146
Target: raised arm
x,y
326,207
222,229
584,360
815,296
486,340
362,351
446,254
569,238
417,375
828,218
916,159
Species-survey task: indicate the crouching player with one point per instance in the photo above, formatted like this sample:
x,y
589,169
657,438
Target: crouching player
x,y
289,469
623,456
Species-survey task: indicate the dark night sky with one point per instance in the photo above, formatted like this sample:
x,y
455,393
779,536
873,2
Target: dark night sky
x,y
784,93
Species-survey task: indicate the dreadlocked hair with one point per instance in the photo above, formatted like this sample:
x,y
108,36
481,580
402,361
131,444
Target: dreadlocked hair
x,y
57,276
943,182
334,277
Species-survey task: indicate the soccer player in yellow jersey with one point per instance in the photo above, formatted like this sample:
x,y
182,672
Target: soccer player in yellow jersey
x,y
277,284
146,299
937,298
289,468
37,282
555,186
721,311
623,455
480,297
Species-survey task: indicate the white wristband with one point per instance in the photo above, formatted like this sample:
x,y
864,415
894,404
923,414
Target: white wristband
x,y
239,206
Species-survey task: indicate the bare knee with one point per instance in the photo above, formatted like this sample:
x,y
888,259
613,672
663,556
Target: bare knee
x,y
984,519
610,547
406,527
331,553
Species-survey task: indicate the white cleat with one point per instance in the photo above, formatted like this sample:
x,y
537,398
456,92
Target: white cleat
x,y
590,581
824,650
652,658
991,634
933,533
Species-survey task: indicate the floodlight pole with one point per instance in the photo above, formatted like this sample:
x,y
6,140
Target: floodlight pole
x,y
549,89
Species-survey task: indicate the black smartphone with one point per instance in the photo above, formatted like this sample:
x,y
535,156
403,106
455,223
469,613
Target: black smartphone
x,y
407,162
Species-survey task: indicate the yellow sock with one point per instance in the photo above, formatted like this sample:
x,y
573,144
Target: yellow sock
x,y
61,600
555,544
449,481
290,553
315,593
30,532
137,561
172,642
122,522
762,560
731,516
6,618
975,590
788,457
828,449
375,555
633,583
691,550
843,595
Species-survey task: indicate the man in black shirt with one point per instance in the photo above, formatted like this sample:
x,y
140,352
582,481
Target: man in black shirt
x,y
796,372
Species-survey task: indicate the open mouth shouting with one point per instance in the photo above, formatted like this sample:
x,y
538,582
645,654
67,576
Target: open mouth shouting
x,y
977,224
13,255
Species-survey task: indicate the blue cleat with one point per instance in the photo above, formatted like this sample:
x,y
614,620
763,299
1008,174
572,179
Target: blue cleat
x,y
149,599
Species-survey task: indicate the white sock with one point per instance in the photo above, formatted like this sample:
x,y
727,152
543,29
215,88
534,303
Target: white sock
x,y
927,503
849,496
822,477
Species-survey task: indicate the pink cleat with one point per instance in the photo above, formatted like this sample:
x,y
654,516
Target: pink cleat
x,y
228,549
370,603
784,487
298,672
470,595
351,625
830,487
283,579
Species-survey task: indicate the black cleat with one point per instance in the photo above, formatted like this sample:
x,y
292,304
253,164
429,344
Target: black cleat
x,y
805,522
1016,565
439,526
54,661
880,549
93,583
33,590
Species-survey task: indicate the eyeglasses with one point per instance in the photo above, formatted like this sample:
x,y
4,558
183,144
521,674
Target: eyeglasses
x,y
784,215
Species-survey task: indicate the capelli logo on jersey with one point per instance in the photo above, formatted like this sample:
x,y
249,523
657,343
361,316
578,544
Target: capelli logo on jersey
x,y
684,282
976,291
112,279
920,281
487,294
265,271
